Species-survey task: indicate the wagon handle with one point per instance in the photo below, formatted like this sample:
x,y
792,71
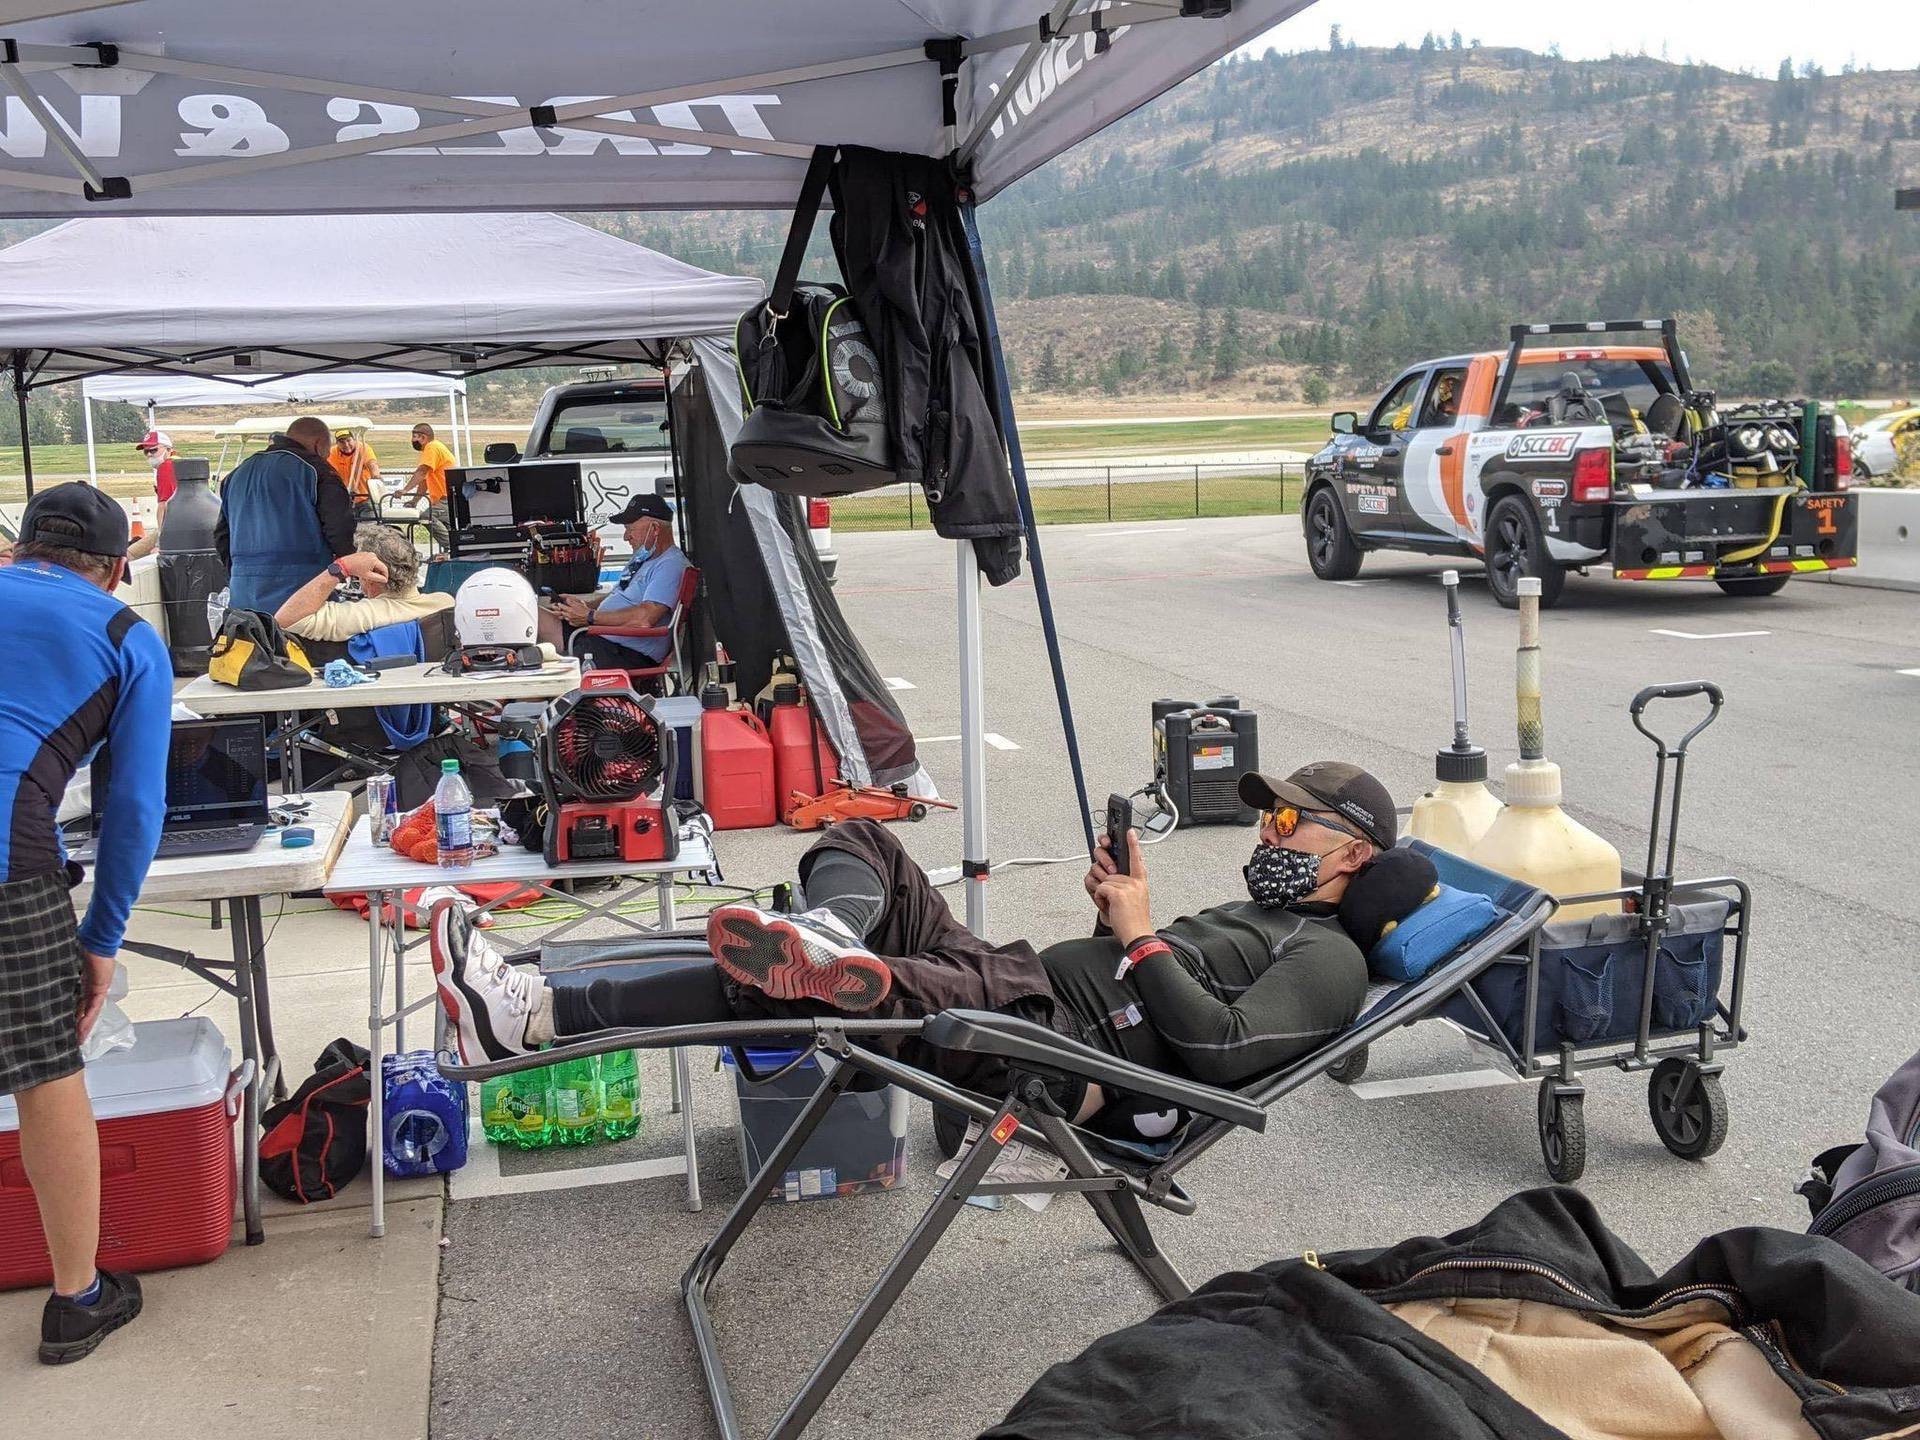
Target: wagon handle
x,y
1659,882
1679,691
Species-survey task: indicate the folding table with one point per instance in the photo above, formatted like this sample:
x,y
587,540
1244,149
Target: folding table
x,y
384,878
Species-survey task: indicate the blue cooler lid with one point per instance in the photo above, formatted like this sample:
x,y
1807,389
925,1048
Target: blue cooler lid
x,y
172,1065
765,1057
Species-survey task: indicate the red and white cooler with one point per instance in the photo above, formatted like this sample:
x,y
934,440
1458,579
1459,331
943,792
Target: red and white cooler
x,y
166,1108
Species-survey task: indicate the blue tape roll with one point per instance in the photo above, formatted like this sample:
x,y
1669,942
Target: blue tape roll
x,y
294,836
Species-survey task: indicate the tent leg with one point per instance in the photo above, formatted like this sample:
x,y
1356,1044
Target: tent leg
x,y
973,740
1003,400
20,403
453,423
93,463
466,423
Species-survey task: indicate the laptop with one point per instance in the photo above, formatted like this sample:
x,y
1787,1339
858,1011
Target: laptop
x,y
216,788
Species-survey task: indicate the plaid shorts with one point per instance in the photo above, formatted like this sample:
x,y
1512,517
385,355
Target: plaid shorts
x,y
40,969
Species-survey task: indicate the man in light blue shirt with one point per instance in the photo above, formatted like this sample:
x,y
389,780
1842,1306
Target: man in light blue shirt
x,y
644,597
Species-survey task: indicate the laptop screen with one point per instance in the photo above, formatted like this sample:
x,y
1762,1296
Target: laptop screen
x,y
216,773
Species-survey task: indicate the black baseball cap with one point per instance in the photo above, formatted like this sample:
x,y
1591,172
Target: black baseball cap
x,y
644,507
1331,785
78,517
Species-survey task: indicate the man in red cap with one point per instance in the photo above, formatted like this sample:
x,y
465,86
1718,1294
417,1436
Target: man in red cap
x,y
157,446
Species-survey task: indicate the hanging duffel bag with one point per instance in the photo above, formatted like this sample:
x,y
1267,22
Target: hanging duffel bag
x,y
815,400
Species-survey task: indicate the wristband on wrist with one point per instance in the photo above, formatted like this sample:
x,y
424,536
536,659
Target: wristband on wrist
x,y
1139,950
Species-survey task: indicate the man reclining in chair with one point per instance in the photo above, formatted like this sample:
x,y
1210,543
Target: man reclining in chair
x,y
1236,991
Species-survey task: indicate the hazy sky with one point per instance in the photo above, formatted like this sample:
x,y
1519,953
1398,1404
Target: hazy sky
x,y
1733,34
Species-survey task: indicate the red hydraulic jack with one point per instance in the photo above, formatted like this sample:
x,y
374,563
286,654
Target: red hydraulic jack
x,y
859,802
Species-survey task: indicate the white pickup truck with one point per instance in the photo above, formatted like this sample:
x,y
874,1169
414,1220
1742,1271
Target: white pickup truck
x,y
616,429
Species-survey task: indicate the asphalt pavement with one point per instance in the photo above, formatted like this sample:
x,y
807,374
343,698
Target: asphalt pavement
x,y
560,1313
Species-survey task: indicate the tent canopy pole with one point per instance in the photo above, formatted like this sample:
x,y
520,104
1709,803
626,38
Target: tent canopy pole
x,y
20,404
1003,400
86,410
973,740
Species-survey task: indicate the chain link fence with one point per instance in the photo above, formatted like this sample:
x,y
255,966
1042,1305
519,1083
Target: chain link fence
x,y
1080,494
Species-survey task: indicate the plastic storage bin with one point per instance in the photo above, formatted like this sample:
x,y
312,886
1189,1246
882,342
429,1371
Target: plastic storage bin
x,y
861,1145
166,1109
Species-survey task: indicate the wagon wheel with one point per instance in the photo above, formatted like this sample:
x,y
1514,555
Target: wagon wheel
x,y
1350,1069
1693,1127
916,811
1563,1131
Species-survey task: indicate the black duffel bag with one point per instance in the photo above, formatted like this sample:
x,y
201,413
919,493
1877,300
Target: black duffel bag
x,y
815,401
315,1141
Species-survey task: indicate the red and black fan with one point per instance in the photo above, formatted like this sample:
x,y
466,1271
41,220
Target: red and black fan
x,y
606,771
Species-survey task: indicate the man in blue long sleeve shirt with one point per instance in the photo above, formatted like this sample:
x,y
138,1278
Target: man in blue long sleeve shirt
x,y
77,668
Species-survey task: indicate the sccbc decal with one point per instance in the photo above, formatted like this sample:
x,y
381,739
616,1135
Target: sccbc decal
x,y
1547,445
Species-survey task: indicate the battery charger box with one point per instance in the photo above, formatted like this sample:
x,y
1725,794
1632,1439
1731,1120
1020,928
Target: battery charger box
x,y
861,1145
1200,751
168,1176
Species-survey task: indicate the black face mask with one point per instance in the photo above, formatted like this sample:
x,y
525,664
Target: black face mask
x,y
1277,876
419,444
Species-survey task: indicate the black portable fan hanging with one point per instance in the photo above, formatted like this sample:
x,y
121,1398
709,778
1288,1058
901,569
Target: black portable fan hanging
x,y
602,745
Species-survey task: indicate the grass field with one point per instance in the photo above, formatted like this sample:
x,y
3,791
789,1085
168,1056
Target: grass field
x,y
1086,504
1297,431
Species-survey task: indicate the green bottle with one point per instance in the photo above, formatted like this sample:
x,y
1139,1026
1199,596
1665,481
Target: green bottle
x,y
576,1101
533,1095
620,1095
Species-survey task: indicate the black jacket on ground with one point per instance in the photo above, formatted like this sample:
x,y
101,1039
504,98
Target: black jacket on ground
x,y
903,250
1294,1350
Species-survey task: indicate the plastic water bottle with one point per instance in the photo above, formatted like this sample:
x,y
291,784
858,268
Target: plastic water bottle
x,y
620,1095
576,1101
533,1098
500,1109
453,818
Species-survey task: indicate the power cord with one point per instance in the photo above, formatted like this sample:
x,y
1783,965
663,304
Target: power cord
x,y
1156,826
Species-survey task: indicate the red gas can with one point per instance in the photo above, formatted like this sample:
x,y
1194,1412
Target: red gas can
x,y
167,1174
736,769
803,762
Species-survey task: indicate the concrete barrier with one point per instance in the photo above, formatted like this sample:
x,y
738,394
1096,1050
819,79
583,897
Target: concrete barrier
x,y
1889,540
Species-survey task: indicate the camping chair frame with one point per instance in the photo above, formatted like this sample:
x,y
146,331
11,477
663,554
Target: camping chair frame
x,y
671,670
1113,1186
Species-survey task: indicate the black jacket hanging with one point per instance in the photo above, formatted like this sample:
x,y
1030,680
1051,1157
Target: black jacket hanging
x,y
898,235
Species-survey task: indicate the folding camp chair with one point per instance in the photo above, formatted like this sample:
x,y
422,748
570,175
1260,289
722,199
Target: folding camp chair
x,y
1113,1181
674,667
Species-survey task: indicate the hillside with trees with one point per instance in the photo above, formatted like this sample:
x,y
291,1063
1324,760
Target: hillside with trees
x,y
1282,227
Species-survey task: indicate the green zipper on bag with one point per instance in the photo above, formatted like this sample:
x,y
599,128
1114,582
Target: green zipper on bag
x,y
826,364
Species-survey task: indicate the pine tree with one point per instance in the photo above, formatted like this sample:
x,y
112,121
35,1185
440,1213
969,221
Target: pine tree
x,y
1049,376
1227,358
1166,356
1202,351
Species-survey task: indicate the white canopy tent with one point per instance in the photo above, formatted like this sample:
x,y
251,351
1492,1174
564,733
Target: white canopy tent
x,y
200,107
183,392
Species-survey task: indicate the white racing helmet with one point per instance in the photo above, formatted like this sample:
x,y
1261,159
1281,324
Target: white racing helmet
x,y
495,607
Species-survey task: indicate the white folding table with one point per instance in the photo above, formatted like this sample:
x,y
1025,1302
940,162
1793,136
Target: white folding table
x,y
424,684
384,878
240,879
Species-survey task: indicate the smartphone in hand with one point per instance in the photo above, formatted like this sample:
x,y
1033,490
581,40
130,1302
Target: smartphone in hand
x,y
1119,821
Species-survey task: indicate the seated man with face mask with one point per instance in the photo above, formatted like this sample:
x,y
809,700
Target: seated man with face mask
x,y
1232,992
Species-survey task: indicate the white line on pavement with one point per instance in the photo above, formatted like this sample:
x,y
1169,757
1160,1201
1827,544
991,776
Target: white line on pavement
x,y
1432,1084
894,682
1910,672
1712,635
1354,584
998,742
1157,530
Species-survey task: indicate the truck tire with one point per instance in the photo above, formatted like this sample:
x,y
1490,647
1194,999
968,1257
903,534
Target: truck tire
x,y
1757,585
1515,547
1330,548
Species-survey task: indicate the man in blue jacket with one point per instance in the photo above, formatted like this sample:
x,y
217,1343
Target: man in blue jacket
x,y
284,514
78,668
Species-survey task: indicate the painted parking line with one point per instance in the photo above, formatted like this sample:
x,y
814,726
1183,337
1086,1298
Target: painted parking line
x,y
1433,1084
1910,672
997,741
1354,584
1157,530
894,682
1711,635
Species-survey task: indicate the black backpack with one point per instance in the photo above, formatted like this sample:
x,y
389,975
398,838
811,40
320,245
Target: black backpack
x,y
816,410
315,1141
1867,1195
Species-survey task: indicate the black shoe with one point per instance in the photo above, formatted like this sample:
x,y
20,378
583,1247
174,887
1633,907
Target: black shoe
x,y
71,1331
